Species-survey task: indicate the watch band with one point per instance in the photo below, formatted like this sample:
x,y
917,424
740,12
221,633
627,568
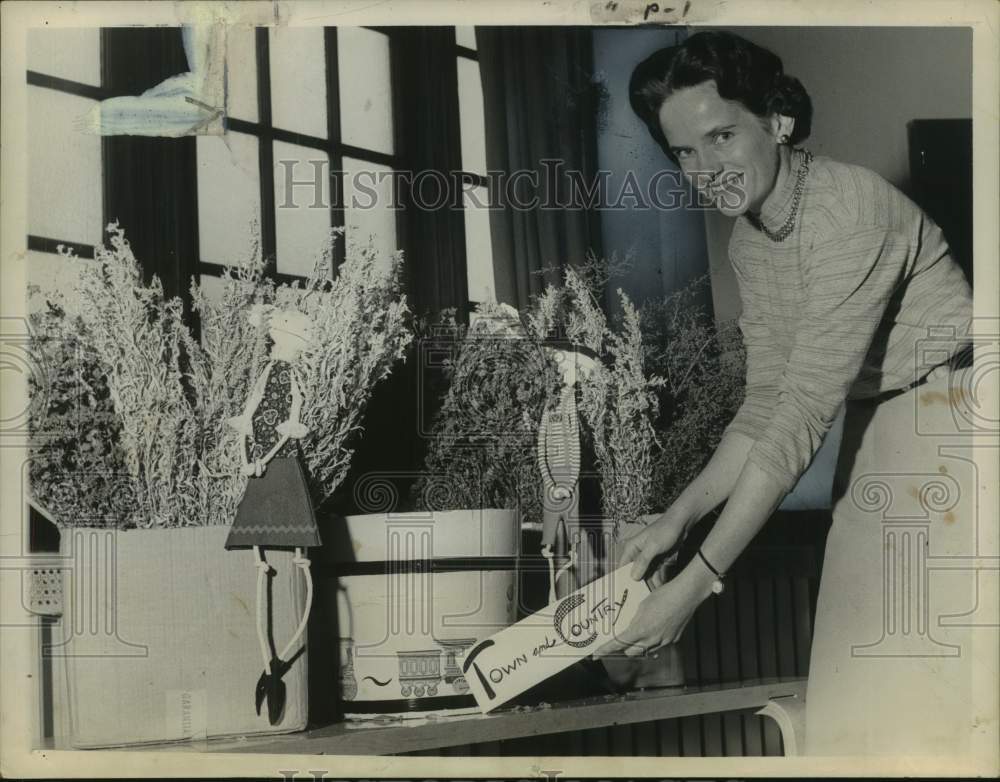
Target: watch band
x,y
717,585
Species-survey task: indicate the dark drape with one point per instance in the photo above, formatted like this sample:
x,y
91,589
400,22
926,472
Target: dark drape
x,y
425,111
541,104
150,184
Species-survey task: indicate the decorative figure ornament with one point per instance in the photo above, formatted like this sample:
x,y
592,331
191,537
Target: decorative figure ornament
x,y
276,510
558,457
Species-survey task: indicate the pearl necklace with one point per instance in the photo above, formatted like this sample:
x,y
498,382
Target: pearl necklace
x,y
786,228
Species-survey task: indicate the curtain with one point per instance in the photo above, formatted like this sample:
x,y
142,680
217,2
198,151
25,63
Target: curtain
x,y
150,184
541,104
425,113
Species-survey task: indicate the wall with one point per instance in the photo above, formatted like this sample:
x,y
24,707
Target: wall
x,y
668,247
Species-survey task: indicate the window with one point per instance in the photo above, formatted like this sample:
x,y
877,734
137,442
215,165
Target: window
x,y
309,116
312,142
478,245
64,165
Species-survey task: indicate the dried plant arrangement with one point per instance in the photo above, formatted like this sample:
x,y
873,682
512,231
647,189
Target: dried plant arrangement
x,y
477,458
671,381
481,451
137,338
703,363
359,320
170,394
76,463
618,399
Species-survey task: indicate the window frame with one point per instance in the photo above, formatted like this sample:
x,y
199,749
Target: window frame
x,y
475,179
50,244
425,229
335,148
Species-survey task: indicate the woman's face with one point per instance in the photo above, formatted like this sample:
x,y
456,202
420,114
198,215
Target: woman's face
x,y
728,153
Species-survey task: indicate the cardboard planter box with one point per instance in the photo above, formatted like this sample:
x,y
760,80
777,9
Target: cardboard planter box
x,y
158,639
413,593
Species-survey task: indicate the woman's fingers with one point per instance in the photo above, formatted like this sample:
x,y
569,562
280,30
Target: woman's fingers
x,y
631,548
624,639
651,548
614,646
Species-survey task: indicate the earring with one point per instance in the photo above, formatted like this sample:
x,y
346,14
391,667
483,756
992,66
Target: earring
x,y
784,138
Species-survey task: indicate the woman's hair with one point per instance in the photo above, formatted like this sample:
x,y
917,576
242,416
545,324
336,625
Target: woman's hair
x,y
741,70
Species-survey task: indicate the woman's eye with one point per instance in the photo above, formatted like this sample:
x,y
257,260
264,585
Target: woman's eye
x,y
683,154
724,136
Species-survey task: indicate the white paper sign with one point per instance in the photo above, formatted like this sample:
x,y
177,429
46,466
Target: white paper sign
x,y
539,646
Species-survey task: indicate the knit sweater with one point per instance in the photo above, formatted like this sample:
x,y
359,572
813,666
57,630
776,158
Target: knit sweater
x,y
837,310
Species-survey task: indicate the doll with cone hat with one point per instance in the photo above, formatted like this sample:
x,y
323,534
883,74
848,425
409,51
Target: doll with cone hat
x,y
276,510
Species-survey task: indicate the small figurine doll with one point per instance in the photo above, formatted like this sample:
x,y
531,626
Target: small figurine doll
x,y
276,510
558,455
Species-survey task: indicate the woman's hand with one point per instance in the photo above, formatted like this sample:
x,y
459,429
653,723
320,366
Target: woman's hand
x,y
663,614
658,537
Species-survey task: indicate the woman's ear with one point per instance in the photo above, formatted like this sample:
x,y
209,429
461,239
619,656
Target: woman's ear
x,y
782,127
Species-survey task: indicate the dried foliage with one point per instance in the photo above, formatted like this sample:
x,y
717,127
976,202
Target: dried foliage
x,y
618,400
481,452
170,394
703,365
138,337
669,382
77,466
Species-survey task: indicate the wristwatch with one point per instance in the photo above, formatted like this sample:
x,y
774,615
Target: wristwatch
x,y
717,586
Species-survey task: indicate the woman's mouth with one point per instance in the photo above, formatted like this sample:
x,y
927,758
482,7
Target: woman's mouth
x,y
724,182
728,188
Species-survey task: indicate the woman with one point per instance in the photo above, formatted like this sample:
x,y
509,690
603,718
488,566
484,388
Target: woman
x,y
840,277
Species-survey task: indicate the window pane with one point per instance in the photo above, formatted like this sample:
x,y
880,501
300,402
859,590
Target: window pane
x,y
365,89
211,286
466,36
298,80
68,53
302,206
241,72
368,213
478,246
228,197
471,116
64,169
52,274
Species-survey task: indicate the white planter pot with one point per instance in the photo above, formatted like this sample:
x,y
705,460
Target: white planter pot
x,y
158,638
413,592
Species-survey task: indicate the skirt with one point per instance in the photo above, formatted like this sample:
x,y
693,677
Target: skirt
x,y
893,654
276,510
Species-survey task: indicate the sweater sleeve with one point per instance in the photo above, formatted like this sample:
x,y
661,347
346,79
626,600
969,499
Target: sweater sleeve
x,y
764,362
765,365
849,281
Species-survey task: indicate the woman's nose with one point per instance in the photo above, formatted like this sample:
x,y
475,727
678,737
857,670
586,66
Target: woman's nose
x,y
711,164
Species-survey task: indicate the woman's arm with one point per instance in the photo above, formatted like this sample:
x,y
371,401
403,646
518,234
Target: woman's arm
x,y
664,614
705,493
716,482
756,496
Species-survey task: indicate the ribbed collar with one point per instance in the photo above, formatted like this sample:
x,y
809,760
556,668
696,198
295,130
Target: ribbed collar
x,y
778,205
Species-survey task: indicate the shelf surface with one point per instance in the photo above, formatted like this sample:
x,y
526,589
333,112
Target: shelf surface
x,y
398,736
